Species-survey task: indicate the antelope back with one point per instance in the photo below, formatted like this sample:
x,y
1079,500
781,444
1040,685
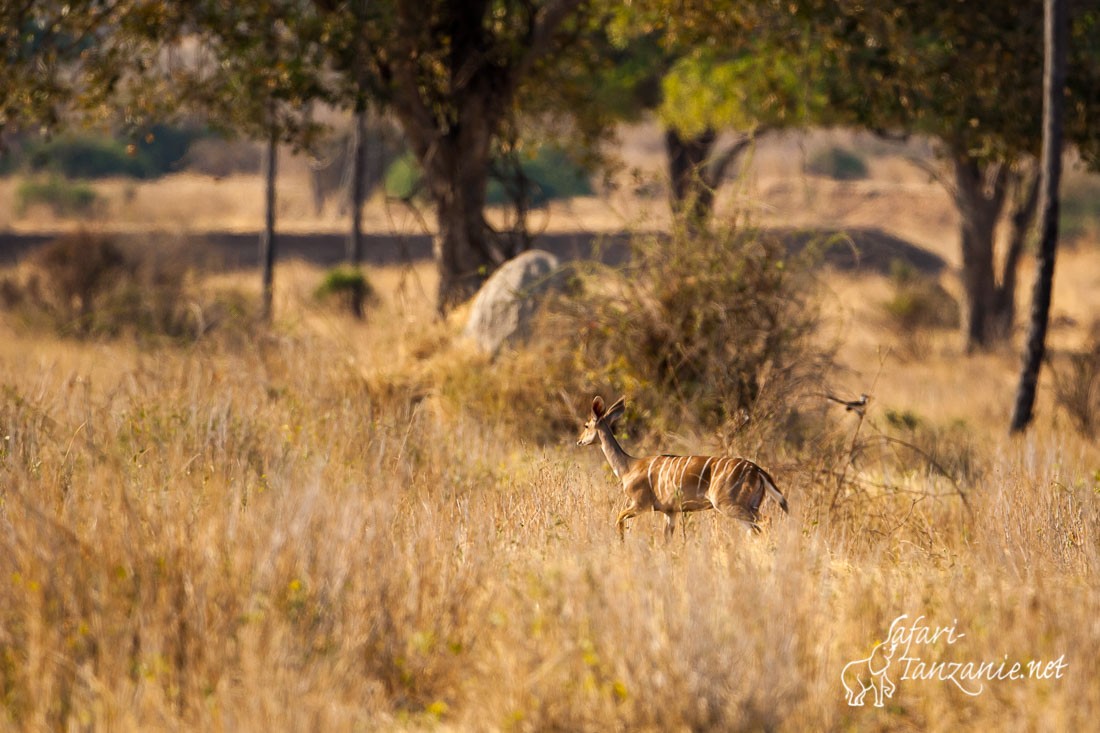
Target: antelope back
x,y
692,480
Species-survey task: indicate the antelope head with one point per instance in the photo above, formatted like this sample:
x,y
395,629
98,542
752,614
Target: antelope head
x,y
600,417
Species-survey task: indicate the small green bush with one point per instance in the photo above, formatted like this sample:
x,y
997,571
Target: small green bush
x,y
157,152
837,163
63,197
348,285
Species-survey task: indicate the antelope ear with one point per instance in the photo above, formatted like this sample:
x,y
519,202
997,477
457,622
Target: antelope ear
x,y
597,406
616,410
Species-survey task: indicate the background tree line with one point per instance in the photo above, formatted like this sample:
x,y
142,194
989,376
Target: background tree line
x,y
474,84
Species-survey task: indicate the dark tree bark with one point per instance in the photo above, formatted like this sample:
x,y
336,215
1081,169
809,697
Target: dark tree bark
x,y
267,237
981,194
1021,218
1054,77
451,109
695,172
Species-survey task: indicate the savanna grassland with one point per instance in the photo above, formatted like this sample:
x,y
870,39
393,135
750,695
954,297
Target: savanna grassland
x,y
337,525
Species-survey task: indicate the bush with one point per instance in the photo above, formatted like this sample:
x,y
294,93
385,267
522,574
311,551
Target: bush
x,y
919,303
349,285
701,331
81,156
86,285
1079,211
157,152
62,197
837,163
1076,385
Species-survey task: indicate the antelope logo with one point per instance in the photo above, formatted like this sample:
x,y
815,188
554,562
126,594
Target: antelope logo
x,y
867,675
675,484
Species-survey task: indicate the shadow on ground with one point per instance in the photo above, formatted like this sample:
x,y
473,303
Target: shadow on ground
x,y
859,249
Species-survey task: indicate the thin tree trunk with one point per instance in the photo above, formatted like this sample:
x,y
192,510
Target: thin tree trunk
x,y
356,194
1054,37
1023,216
267,237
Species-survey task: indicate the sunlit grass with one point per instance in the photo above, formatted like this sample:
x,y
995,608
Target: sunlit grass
x,y
298,532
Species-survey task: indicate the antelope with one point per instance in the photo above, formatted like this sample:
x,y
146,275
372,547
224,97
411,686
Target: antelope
x,y
675,484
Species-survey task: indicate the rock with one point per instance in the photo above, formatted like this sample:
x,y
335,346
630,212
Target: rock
x,y
503,309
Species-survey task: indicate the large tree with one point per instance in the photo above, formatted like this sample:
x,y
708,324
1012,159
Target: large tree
x,y
451,71
59,57
967,75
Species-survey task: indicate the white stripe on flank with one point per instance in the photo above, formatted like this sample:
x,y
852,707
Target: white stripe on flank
x,y
704,473
683,472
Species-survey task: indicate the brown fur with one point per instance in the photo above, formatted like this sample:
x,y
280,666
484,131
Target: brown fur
x,y
674,484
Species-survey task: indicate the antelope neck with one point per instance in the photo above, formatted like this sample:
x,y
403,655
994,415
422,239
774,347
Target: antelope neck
x,y
619,459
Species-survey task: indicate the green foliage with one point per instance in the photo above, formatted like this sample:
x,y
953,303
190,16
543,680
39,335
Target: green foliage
x,y
548,175
1079,208
164,146
85,156
757,87
63,197
347,284
404,179
837,163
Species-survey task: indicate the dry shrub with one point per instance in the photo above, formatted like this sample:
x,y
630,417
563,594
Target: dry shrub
x,y
919,304
1076,384
703,330
89,286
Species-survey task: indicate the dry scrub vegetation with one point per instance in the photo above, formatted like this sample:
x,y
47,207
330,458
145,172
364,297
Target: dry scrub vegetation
x,y
335,526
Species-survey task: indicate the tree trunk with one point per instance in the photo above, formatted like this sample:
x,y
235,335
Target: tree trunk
x,y
356,194
980,202
1023,215
1055,31
692,196
267,237
458,167
464,250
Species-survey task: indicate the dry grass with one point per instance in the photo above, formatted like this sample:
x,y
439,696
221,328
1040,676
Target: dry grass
x,y
310,530
296,535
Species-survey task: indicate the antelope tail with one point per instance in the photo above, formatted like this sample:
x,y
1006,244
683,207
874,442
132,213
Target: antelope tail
x,y
774,492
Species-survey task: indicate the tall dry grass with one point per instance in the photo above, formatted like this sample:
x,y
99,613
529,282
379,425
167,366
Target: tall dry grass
x,y
303,533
